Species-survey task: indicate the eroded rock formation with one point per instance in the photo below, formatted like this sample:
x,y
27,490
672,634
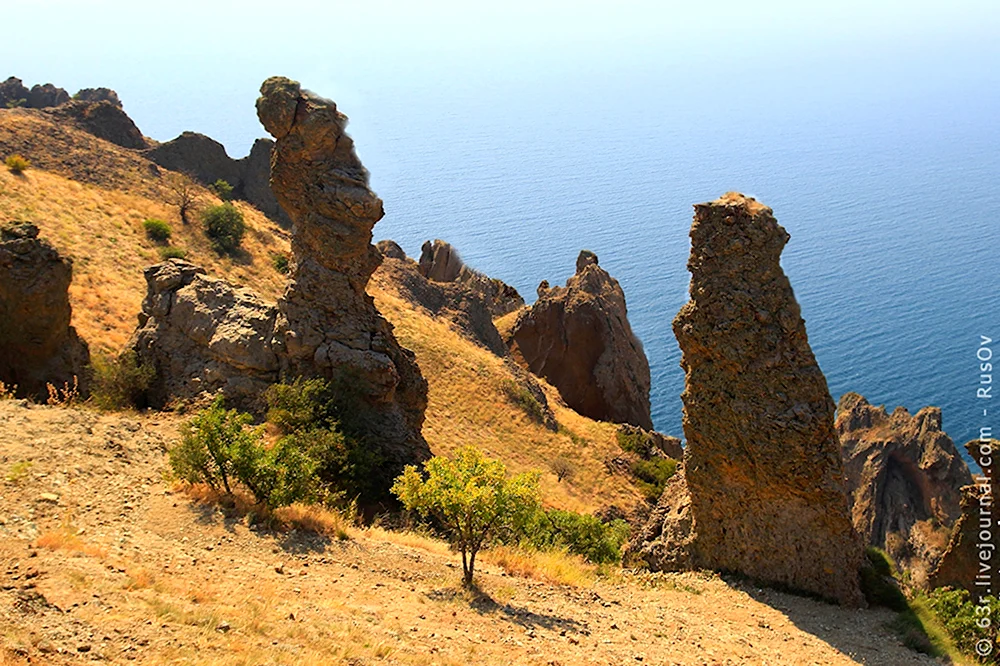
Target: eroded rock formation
x,y
976,536
203,335
762,462
104,119
578,338
38,345
440,262
327,324
464,308
904,480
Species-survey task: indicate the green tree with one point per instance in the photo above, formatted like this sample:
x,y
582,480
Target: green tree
x,y
472,498
224,227
223,189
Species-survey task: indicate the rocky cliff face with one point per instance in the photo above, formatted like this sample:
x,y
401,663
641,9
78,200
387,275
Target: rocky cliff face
x,y
327,324
578,338
440,262
904,479
203,335
37,343
977,531
466,309
207,161
762,462
104,119
13,93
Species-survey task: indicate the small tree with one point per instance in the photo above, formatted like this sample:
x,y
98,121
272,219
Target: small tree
x,y
224,227
223,189
472,498
17,164
183,193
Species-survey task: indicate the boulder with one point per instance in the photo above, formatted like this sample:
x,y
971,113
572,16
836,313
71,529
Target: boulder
x,y
202,335
464,308
904,480
98,95
579,339
104,120
762,462
440,262
45,96
976,536
327,324
13,93
39,346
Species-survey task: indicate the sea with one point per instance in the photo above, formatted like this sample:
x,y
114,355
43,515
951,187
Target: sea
x,y
876,143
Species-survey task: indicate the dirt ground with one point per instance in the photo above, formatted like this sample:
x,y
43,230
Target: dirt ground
x,y
102,560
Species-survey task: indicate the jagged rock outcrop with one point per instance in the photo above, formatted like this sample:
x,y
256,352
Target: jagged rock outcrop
x,y
13,93
45,96
104,119
327,324
976,535
455,302
440,262
202,335
37,343
667,541
98,95
649,443
762,461
579,339
206,160
904,480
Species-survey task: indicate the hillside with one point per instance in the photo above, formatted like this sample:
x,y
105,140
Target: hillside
x,y
101,560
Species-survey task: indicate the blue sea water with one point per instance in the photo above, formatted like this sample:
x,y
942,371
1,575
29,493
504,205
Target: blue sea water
x,y
870,129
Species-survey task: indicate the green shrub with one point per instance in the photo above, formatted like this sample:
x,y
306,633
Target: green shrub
x,y
17,164
966,623
878,584
224,227
219,447
635,441
223,189
472,498
523,398
119,382
157,230
280,263
652,475
583,535
302,405
172,253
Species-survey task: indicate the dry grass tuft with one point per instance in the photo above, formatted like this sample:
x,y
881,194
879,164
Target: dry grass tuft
x,y
67,539
553,566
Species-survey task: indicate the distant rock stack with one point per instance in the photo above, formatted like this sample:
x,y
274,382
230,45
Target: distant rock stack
x,y
327,324
440,262
976,534
762,462
904,480
38,346
578,337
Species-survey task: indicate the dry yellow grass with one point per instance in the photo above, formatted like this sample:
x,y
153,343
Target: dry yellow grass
x,y
101,230
552,566
468,406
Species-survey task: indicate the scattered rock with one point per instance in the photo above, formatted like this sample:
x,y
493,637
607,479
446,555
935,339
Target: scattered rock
x,y
49,497
223,627
904,480
578,338
39,345
327,323
762,462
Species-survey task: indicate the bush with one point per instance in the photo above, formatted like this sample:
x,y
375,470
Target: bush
x,y
218,447
652,475
157,230
119,382
224,227
878,584
580,534
472,498
304,404
223,189
172,253
967,623
280,263
17,164
523,398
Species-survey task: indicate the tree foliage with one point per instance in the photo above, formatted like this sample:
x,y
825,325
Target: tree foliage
x,y
472,498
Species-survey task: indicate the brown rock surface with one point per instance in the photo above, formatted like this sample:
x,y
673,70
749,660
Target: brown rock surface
x,y
904,480
37,343
202,335
976,533
440,262
762,462
103,119
578,338
327,324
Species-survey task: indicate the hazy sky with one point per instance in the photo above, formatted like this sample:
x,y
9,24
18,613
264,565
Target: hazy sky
x,y
178,64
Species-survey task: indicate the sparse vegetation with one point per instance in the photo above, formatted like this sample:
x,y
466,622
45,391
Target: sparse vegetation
x,y
171,252
224,227
18,471
652,475
65,395
587,536
156,230
119,382
182,192
222,189
562,467
968,625
523,398
472,498
280,263
878,582
17,164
